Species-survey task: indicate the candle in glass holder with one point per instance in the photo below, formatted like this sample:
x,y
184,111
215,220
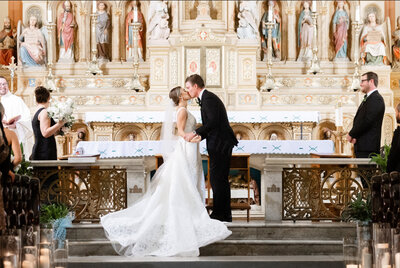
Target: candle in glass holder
x,y
385,262
269,14
27,264
49,16
397,260
44,259
94,7
351,266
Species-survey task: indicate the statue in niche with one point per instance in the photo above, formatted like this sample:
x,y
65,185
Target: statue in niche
x,y
305,33
396,46
7,42
32,48
340,24
273,137
102,31
276,31
65,32
158,20
129,32
372,42
247,28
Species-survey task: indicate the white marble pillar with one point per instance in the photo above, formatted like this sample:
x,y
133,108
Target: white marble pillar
x,y
84,38
174,6
272,178
292,31
324,31
116,38
231,16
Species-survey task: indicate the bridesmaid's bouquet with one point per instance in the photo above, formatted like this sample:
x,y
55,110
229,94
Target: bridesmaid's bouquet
x,y
62,110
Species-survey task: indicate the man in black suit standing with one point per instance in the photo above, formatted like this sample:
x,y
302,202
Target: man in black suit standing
x,y
393,163
367,124
220,142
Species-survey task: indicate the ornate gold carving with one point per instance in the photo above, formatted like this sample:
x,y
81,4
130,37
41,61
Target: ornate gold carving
x,y
202,35
247,69
118,82
394,83
327,82
289,82
321,193
80,83
174,67
118,12
388,128
90,193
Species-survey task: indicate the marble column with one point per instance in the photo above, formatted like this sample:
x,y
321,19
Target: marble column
x,y
231,16
324,31
84,38
116,38
292,28
174,6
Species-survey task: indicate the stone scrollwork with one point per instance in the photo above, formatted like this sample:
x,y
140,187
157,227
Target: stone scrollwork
x,y
174,67
118,82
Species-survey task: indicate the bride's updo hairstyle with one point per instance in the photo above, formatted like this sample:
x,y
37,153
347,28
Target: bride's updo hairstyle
x,y
174,95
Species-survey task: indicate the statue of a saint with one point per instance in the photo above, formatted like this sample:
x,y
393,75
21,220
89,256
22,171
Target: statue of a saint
x,y
276,31
158,20
340,24
102,31
65,31
7,42
129,32
372,43
32,49
247,28
396,45
305,33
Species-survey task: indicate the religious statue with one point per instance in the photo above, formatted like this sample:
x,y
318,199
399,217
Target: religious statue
x,y
135,13
372,43
32,51
7,42
247,28
158,20
276,31
396,46
102,31
65,31
305,33
340,25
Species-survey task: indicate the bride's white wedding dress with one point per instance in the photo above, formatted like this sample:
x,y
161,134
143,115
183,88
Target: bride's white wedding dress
x,y
171,218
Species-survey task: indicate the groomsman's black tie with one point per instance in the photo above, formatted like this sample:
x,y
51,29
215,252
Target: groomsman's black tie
x,y
199,101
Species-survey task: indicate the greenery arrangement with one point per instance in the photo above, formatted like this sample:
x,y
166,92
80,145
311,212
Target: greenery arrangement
x,y
52,212
24,168
359,210
381,159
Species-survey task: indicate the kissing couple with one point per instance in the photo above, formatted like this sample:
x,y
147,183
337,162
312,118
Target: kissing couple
x,y
171,218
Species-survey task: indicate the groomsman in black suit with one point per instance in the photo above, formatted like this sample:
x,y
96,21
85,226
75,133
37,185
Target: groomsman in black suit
x,y
393,163
367,124
220,142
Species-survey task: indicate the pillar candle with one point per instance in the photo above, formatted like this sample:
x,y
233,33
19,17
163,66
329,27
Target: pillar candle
x,y
385,260
7,264
357,13
397,260
27,264
351,266
94,7
135,14
49,16
269,14
44,259
314,6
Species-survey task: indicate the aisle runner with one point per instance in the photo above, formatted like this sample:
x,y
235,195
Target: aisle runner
x,y
117,149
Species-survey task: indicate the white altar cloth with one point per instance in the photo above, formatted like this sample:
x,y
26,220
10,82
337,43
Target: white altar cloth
x,y
122,149
233,116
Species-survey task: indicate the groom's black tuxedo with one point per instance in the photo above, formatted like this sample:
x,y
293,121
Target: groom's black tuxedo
x,y
220,140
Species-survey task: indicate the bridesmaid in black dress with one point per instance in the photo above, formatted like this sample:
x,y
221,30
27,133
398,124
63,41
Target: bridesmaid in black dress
x,y
44,128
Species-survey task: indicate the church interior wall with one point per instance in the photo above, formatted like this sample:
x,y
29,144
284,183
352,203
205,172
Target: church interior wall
x,y
242,67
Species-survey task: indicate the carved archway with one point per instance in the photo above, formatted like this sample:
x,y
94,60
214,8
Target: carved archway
x,y
130,132
281,132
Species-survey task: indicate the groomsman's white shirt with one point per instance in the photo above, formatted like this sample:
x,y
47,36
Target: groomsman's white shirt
x,y
201,93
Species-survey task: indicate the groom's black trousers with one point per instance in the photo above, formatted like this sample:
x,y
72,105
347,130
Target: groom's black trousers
x,y
219,173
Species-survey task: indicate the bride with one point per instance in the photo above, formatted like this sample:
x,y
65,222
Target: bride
x,y
171,219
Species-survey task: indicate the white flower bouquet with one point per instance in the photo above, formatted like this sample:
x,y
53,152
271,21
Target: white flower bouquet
x,y
62,110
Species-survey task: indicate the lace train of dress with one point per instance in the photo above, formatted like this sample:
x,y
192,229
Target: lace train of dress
x,y
171,219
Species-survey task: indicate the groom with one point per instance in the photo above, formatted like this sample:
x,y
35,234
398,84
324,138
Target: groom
x,y
220,141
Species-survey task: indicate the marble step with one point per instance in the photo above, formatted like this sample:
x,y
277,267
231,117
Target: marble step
x,y
329,261
229,248
249,231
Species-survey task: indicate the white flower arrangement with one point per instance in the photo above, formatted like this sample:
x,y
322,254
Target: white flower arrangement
x,y
62,110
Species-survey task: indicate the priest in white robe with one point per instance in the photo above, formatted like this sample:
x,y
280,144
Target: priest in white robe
x,y
17,117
